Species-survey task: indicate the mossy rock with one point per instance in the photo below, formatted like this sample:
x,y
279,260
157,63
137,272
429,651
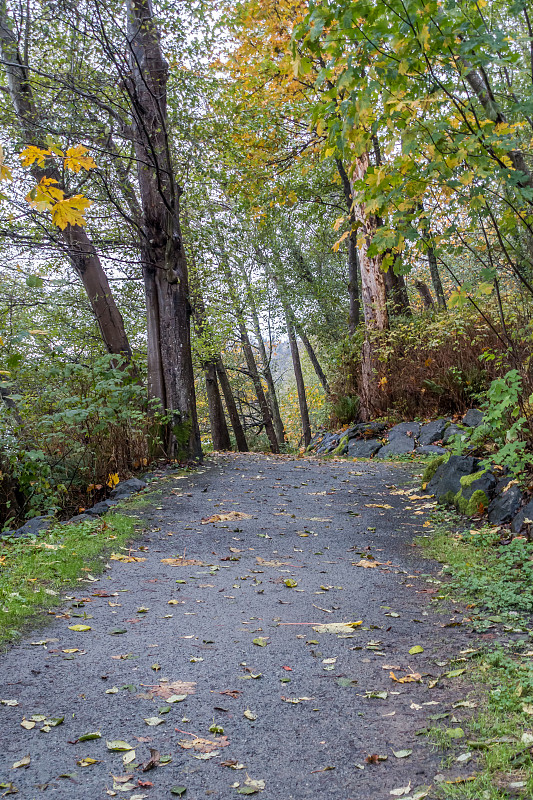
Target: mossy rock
x,y
341,447
433,466
467,480
478,501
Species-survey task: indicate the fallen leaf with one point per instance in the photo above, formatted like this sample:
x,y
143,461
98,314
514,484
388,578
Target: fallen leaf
x,y
124,558
178,790
9,702
153,761
87,761
153,720
118,746
128,757
265,563
175,688
182,562
79,627
250,715
290,583
366,564
87,737
337,627
228,517
401,791
24,762
203,745
413,677
28,724
377,505
260,641
402,753
416,649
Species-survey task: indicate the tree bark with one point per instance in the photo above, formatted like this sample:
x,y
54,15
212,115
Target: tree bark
x,y
233,413
374,301
397,293
425,295
435,279
217,420
300,385
171,378
78,245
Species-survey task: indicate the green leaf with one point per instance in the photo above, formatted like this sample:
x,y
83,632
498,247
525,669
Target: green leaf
x,y
118,746
179,790
260,641
87,737
416,649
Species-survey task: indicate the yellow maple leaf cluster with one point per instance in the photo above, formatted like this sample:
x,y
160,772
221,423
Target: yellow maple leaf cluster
x,y
47,196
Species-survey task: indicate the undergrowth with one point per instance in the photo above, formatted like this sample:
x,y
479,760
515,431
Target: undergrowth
x,y
34,572
495,576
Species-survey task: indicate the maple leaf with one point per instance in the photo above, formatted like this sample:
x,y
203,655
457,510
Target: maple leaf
x,y
76,159
70,211
45,195
32,154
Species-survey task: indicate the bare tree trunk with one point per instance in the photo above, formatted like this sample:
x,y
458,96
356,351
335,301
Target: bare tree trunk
x,y
231,406
272,397
312,356
435,279
353,258
300,385
78,246
217,420
425,295
256,380
165,265
374,302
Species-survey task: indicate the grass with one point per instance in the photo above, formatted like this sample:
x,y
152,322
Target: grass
x,y
496,580
34,572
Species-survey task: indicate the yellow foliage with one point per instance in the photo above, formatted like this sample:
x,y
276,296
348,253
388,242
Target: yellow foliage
x,y
76,159
32,154
70,211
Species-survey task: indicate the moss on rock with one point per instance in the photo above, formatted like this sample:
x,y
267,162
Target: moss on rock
x,y
477,501
433,466
468,480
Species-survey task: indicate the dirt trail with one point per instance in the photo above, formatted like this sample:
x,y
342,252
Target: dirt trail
x,y
340,534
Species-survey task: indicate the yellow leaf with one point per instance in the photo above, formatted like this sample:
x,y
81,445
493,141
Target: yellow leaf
x,y
45,195
70,212
76,159
79,627
112,480
32,154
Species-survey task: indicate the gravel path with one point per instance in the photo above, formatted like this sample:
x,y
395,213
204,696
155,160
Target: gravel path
x,y
227,635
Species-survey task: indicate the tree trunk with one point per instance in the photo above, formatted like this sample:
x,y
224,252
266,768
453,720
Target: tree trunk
x,y
171,378
300,385
79,247
353,257
397,293
312,355
374,303
435,279
258,386
233,413
425,295
272,397
217,420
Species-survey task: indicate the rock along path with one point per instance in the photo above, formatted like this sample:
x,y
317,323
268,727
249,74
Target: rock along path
x,y
343,532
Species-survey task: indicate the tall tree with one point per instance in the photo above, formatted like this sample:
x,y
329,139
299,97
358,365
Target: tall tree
x,y
170,369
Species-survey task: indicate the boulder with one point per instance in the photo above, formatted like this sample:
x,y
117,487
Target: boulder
x,y
411,429
505,505
473,418
101,508
476,492
363,429
328,443
451,430
430,450
524,518
127,488
432,432
33,527
400,445
446,482
363,448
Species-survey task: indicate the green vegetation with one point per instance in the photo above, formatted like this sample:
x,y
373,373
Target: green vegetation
x,y
496,579
35,572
